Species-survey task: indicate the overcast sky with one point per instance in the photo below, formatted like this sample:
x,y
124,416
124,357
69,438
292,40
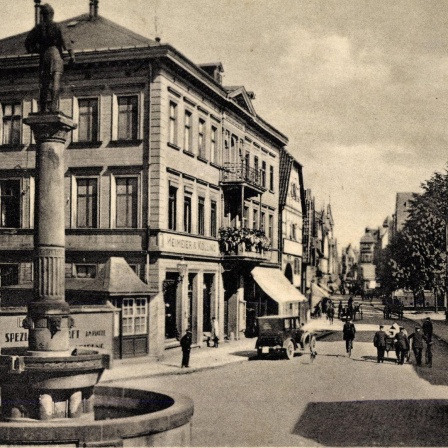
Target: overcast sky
x,y
360,87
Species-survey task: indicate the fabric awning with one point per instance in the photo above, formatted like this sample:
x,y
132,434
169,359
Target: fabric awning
x,y
317,294
276,285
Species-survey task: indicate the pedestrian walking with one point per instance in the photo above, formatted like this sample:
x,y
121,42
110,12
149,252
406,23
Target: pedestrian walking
x,y
215,332
379,341
330,314
348,334
185,343
340,309
417,339
401,346
427,329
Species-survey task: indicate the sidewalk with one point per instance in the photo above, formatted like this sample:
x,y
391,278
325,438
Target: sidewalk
x,y
201,357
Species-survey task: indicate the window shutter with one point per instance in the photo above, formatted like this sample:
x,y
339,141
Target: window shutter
x,y
114,117
113,202
1,124
75,114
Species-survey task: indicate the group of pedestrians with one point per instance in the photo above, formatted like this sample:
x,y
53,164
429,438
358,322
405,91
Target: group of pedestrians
x,y
404,342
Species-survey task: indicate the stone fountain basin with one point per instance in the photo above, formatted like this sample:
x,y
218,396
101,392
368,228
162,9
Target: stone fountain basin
x,y
123,417
53,372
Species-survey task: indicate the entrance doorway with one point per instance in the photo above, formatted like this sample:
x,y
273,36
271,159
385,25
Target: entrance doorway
x,y
207,302
170,299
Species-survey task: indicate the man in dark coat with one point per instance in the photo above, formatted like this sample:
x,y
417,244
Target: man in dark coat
x,y
417,344
185,343
348,333
401,345
427,329
379,341
47,39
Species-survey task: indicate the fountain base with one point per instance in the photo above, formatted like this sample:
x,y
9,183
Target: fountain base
x,y
49,387
123,417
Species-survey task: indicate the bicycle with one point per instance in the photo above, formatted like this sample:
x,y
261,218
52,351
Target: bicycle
x,y
428,354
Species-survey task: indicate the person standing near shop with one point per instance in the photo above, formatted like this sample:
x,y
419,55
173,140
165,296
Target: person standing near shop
x,y
379,341
185,343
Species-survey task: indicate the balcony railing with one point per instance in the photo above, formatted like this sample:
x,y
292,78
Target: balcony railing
x,y
239,172
244,242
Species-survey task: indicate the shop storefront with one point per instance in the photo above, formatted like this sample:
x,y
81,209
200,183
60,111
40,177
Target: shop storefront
x,y
188,270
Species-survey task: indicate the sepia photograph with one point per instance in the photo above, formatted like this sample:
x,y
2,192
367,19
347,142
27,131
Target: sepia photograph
x,y
224,223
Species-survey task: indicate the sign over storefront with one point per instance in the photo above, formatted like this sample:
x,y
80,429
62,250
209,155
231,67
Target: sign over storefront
x,y
184,244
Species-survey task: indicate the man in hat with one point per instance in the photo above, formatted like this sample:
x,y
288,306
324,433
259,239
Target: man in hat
x,y
401,345
379,341
47,39
417,344
348,333
185,343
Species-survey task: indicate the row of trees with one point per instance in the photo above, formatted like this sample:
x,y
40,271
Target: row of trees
x,y
415,258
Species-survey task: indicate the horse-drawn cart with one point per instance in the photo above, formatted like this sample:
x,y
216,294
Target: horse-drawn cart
x,y
351,312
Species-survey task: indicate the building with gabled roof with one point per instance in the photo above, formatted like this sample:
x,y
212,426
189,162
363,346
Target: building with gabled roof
x,y
291,213
167,168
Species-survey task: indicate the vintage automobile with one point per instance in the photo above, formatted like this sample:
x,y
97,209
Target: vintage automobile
x,y
282,336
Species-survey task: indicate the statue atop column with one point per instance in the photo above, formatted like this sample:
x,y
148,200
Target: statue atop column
x,y
47,39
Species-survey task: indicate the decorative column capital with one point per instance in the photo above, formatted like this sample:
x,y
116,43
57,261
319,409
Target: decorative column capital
x,y
50,127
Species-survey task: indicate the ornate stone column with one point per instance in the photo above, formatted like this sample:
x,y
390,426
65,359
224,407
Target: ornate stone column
x,y
48,317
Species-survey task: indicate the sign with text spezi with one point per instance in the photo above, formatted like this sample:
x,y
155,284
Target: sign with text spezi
x,y
90,330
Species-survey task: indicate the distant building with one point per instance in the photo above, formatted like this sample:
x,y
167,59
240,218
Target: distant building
x,y
321,261
349,268
372,243
402,205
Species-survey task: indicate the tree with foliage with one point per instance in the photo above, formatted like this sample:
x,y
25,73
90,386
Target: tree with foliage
x,y
417,254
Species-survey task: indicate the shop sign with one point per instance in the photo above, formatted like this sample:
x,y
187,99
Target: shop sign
x,y
90,330
183,244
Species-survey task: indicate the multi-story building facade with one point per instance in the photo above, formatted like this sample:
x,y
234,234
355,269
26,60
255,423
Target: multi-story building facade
x,y
321,261
372,243
167,168
291,211
349,268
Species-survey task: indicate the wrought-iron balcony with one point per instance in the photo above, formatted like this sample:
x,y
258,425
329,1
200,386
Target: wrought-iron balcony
x,y
244,242
239,174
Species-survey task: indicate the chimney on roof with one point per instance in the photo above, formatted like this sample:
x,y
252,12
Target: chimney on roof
x,y
93,9
36,12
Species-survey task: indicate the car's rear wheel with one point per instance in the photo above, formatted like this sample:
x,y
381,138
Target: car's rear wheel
x,y
312,343
289,350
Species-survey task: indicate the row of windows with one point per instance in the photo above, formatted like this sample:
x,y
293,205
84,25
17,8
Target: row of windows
x,y
208,145
85,202
88,120
259,221
187,221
